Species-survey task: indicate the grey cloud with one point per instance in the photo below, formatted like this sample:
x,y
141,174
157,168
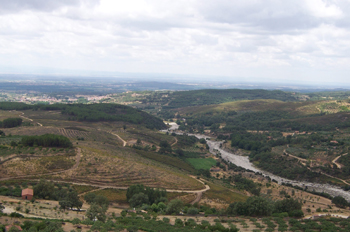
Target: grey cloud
x,y
269,15
11,6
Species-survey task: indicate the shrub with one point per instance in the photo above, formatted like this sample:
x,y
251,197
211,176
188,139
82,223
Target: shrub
x,y
179,223
192,211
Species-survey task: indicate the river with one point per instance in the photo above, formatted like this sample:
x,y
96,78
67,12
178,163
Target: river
x,y
243,161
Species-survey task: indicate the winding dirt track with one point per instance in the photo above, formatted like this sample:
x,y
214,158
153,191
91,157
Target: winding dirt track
x,y
174,142
124,142
335,160
28,118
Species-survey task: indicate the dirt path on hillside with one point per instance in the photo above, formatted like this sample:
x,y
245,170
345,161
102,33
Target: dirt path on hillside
x,y
174,142
336,159
198,198
334,177
77,162
28,118
124,142
91,191
101,186
304,161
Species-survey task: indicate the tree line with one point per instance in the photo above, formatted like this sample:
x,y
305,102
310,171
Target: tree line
x,y
11,122
46,140
94,112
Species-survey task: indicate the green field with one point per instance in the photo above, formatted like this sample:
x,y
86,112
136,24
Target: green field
x,y
200,163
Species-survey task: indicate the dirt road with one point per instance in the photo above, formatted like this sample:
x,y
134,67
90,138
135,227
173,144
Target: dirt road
x,y
335,161
28,118
124,142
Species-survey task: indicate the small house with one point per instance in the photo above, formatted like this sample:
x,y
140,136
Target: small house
x,y
27,194
7,228
215,169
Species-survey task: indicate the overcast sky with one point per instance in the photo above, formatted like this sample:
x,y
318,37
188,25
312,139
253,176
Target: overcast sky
x,y
301,40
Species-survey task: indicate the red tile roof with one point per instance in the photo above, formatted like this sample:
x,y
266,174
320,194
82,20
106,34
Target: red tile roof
x,y
27,191
10,226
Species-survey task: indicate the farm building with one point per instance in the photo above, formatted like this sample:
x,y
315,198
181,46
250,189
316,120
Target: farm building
x,y
7,228
27,194
215,169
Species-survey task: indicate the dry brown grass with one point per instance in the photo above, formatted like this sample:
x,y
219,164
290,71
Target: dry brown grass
x,y
223,195
113,195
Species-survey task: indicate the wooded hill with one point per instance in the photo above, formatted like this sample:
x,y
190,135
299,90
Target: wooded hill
x,y
216,96
94,113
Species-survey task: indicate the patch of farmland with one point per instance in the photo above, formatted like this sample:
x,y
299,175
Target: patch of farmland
x,y
201,163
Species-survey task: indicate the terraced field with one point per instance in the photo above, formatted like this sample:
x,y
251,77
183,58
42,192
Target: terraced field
x,y
121,168
104,160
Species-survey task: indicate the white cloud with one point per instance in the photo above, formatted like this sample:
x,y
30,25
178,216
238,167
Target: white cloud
x,y
223,37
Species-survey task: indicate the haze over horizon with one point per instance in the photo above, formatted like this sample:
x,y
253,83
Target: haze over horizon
x,y
288,41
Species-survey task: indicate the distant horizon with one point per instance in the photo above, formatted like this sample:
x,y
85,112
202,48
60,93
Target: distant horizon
x,y
204,81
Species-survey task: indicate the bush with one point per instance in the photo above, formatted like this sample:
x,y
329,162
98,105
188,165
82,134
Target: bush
x,y
138,200
174,206
192,211
296,213
17,215
340,201
179,223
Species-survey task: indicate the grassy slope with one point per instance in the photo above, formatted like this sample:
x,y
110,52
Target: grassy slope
x,y
296,108
219,192
200,163
255,105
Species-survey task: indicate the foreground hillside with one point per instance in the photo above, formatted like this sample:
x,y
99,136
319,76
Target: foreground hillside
x,y
106,158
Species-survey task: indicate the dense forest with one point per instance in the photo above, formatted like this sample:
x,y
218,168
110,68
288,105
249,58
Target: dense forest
x,y
261,120
94,113
10,122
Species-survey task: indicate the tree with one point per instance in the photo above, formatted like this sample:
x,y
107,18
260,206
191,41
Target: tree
x,y
138,200
74,200
1,208
161,206
96,212
164,147
174,206
44,189
71,201
192,211
89,197
287,205
101,200
259,206
180,152
340,201
76,221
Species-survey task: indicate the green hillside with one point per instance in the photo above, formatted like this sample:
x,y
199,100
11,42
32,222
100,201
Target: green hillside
x,y
215,96
94,113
